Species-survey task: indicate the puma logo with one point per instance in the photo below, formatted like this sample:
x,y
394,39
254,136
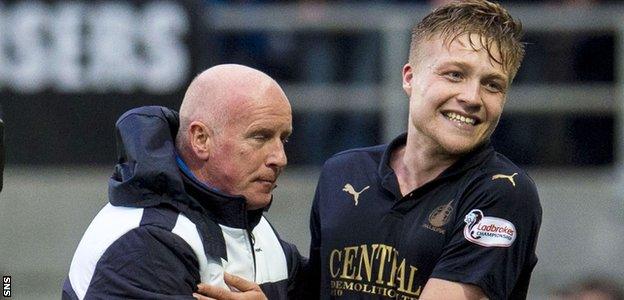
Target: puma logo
x,y
508,177
356,195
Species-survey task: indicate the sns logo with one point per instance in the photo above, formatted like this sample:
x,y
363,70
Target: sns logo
x,y
488,231
6,286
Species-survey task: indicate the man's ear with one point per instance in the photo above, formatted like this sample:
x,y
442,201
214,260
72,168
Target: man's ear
x,y
407,73
200,139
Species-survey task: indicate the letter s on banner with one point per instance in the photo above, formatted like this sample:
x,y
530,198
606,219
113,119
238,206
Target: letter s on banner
x,y
167,59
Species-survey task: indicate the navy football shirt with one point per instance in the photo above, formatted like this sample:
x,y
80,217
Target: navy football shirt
x,y
476,223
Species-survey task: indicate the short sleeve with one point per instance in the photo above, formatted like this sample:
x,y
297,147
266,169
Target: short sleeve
x,y
494,236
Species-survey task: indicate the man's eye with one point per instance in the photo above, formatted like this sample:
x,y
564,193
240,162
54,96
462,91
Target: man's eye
x,y
454,76
284,140
494,87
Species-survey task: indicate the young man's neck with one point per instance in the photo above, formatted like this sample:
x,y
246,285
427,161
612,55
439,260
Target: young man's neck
x,y
415,164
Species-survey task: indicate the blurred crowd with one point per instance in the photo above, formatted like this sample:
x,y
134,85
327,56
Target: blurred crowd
x,y
598,288
354,58
428,2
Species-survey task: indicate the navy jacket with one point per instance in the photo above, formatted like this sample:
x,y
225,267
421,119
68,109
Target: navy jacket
x,y
163,232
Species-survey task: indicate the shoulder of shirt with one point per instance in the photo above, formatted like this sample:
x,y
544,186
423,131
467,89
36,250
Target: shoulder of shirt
x,y
372,152
494,174
490,186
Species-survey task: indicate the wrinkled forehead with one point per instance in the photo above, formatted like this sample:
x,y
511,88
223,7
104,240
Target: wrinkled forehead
x,y
266,96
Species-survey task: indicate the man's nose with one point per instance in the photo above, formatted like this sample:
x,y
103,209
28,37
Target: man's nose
x,y
470,93
277,155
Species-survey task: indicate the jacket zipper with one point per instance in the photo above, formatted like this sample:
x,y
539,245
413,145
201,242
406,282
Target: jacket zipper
x,y
252,242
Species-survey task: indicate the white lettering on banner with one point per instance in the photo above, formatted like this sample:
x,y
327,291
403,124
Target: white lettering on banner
x,y
111,44
104,46
167,59
65,54
26,69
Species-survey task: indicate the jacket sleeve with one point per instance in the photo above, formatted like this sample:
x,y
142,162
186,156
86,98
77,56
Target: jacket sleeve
x,y
146,263
296,276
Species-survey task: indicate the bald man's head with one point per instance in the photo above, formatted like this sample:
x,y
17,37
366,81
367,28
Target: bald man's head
x,y
215,94
234,121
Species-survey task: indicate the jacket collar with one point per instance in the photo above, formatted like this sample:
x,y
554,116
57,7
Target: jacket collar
x,y
225,209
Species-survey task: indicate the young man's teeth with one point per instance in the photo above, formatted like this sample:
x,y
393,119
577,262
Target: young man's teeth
x,y
457,118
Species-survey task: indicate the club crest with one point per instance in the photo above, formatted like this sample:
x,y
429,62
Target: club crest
x,y
439,217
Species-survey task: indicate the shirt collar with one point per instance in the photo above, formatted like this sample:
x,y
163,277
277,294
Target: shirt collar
x,y
185,169
470,160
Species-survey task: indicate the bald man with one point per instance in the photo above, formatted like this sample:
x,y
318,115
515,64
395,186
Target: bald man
x,y
189,212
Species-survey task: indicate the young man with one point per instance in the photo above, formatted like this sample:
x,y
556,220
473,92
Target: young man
x,y
190,211
437,213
